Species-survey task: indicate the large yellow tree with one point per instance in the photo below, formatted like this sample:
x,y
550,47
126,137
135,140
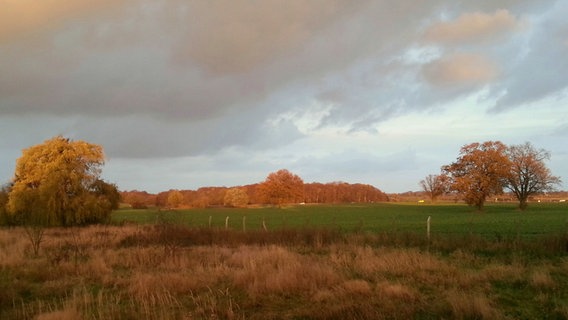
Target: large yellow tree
x,y
57,183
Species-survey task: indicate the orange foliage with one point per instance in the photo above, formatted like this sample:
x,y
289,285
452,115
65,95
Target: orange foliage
x,y
342,192
282,187
481,170
334,192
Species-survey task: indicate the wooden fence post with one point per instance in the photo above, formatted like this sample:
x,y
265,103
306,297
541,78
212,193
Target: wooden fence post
x,y
428,228
264,224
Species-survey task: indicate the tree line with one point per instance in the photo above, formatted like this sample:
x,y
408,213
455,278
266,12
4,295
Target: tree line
x,y
488,169
279,188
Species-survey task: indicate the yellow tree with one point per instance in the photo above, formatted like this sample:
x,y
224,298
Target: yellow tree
x,y
175,198
529,174
236,197
282,187
57,183
482,169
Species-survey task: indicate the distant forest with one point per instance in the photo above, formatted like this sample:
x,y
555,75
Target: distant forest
x,y
334,192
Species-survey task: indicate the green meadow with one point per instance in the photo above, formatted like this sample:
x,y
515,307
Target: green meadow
x,y
497,220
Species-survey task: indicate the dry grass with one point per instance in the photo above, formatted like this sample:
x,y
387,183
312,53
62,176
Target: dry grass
x,y
471,306
13,247
104,272
69,314
276,270
397,291
542,280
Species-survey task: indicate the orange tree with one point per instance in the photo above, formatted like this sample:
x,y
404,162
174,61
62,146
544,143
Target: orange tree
x,y
529,175
482,169
282,187
57,183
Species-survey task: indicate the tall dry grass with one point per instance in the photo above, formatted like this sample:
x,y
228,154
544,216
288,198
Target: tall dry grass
x,y
471,306
111,272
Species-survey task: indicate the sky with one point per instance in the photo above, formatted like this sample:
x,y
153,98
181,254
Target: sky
x,y
183,94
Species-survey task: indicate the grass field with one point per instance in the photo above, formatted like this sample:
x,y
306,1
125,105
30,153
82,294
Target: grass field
x,y
496,221
314,262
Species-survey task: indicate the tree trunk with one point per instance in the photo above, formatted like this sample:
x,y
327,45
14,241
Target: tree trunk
x,y
523,203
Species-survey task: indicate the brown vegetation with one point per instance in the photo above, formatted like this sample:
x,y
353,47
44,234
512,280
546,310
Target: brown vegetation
x,y
282,187
173,272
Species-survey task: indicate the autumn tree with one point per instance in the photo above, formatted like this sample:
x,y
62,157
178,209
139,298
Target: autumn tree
x,y
107,192
342,192
282,187
4,217
213,196
138,199
57,183
236,197
435,185
529,174
175,198
482,169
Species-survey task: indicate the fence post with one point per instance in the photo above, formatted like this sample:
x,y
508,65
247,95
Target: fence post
x,y
264,224
227,223
210,217
428,228
244,223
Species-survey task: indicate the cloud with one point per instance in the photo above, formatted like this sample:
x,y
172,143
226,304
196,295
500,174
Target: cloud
x,y
226,37
140,136
28,18
191,93
136,75
460,69
537,70
361,166
473,27
175,60
189,62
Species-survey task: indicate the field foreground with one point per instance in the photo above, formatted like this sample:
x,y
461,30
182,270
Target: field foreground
x,y
169,271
